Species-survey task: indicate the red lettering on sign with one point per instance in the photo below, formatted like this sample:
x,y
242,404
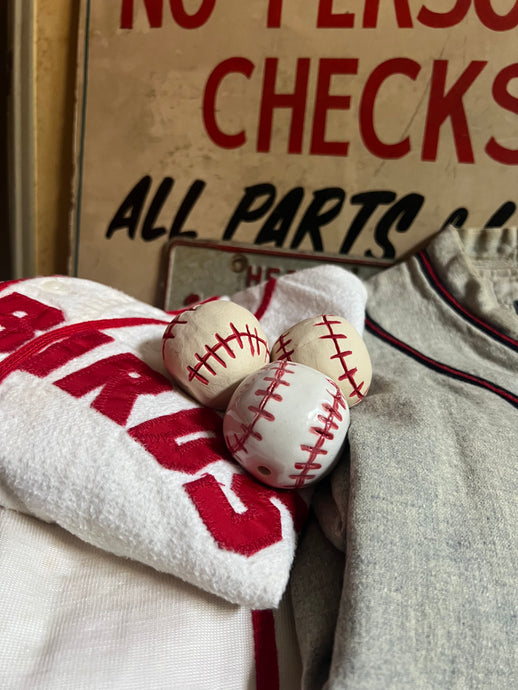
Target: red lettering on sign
x,y
154,11
327,19
271,272
122,379
494,21
56,355
273,20
248,532
254,275
370,14
296,102
443,105
509,102
404,66
324,101
232,65
21,317
444,20
191,21
186,441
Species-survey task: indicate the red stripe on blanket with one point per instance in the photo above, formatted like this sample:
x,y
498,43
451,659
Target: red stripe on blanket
x,y
266,663
269,289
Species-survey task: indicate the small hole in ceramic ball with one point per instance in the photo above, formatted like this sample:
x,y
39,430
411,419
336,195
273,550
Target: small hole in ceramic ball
x,y
264,470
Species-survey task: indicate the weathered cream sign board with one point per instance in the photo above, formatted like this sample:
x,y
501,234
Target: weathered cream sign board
x,y
339,126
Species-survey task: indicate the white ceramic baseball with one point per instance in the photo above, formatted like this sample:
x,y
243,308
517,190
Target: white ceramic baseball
x,y
209,349
332,345
286,424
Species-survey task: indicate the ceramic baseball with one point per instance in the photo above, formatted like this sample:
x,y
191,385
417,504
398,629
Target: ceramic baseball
x,y
286,424
209,349
332,345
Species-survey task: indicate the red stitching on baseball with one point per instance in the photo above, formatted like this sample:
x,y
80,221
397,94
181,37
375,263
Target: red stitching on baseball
x,y
330,423
168,333
283,344
348,374
224,343
259,410
169,330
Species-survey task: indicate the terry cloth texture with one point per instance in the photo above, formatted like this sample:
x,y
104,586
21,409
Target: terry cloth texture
x,y
281,303
96,439
417,536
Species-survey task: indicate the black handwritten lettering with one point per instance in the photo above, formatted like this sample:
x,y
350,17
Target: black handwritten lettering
x,y
149,230
245,211
400,215
130,211
456,218
501,215
186,206
379,212
314,219
368,202
279,221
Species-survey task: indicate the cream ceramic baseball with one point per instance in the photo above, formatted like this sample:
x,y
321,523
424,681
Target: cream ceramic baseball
x,y
209,349
286,424
332,345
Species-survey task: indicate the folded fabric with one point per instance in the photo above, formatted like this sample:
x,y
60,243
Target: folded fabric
x,y
281,303
150,630
415,548
96,438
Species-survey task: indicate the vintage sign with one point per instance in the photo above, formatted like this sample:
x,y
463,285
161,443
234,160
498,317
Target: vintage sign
x,y
330,126
199,269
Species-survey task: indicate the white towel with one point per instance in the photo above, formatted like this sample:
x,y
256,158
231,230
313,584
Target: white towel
x,y
281,303
96,438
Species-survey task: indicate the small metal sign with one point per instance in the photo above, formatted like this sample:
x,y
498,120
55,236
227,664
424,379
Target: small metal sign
x,y
199,269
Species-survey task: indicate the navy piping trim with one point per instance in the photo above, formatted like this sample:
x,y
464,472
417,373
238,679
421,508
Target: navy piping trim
x,y
441,290
437,366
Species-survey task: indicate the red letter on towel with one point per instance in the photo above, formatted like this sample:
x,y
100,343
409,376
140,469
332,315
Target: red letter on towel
x,y
245,532
186,441
21,317
122,378
59,353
